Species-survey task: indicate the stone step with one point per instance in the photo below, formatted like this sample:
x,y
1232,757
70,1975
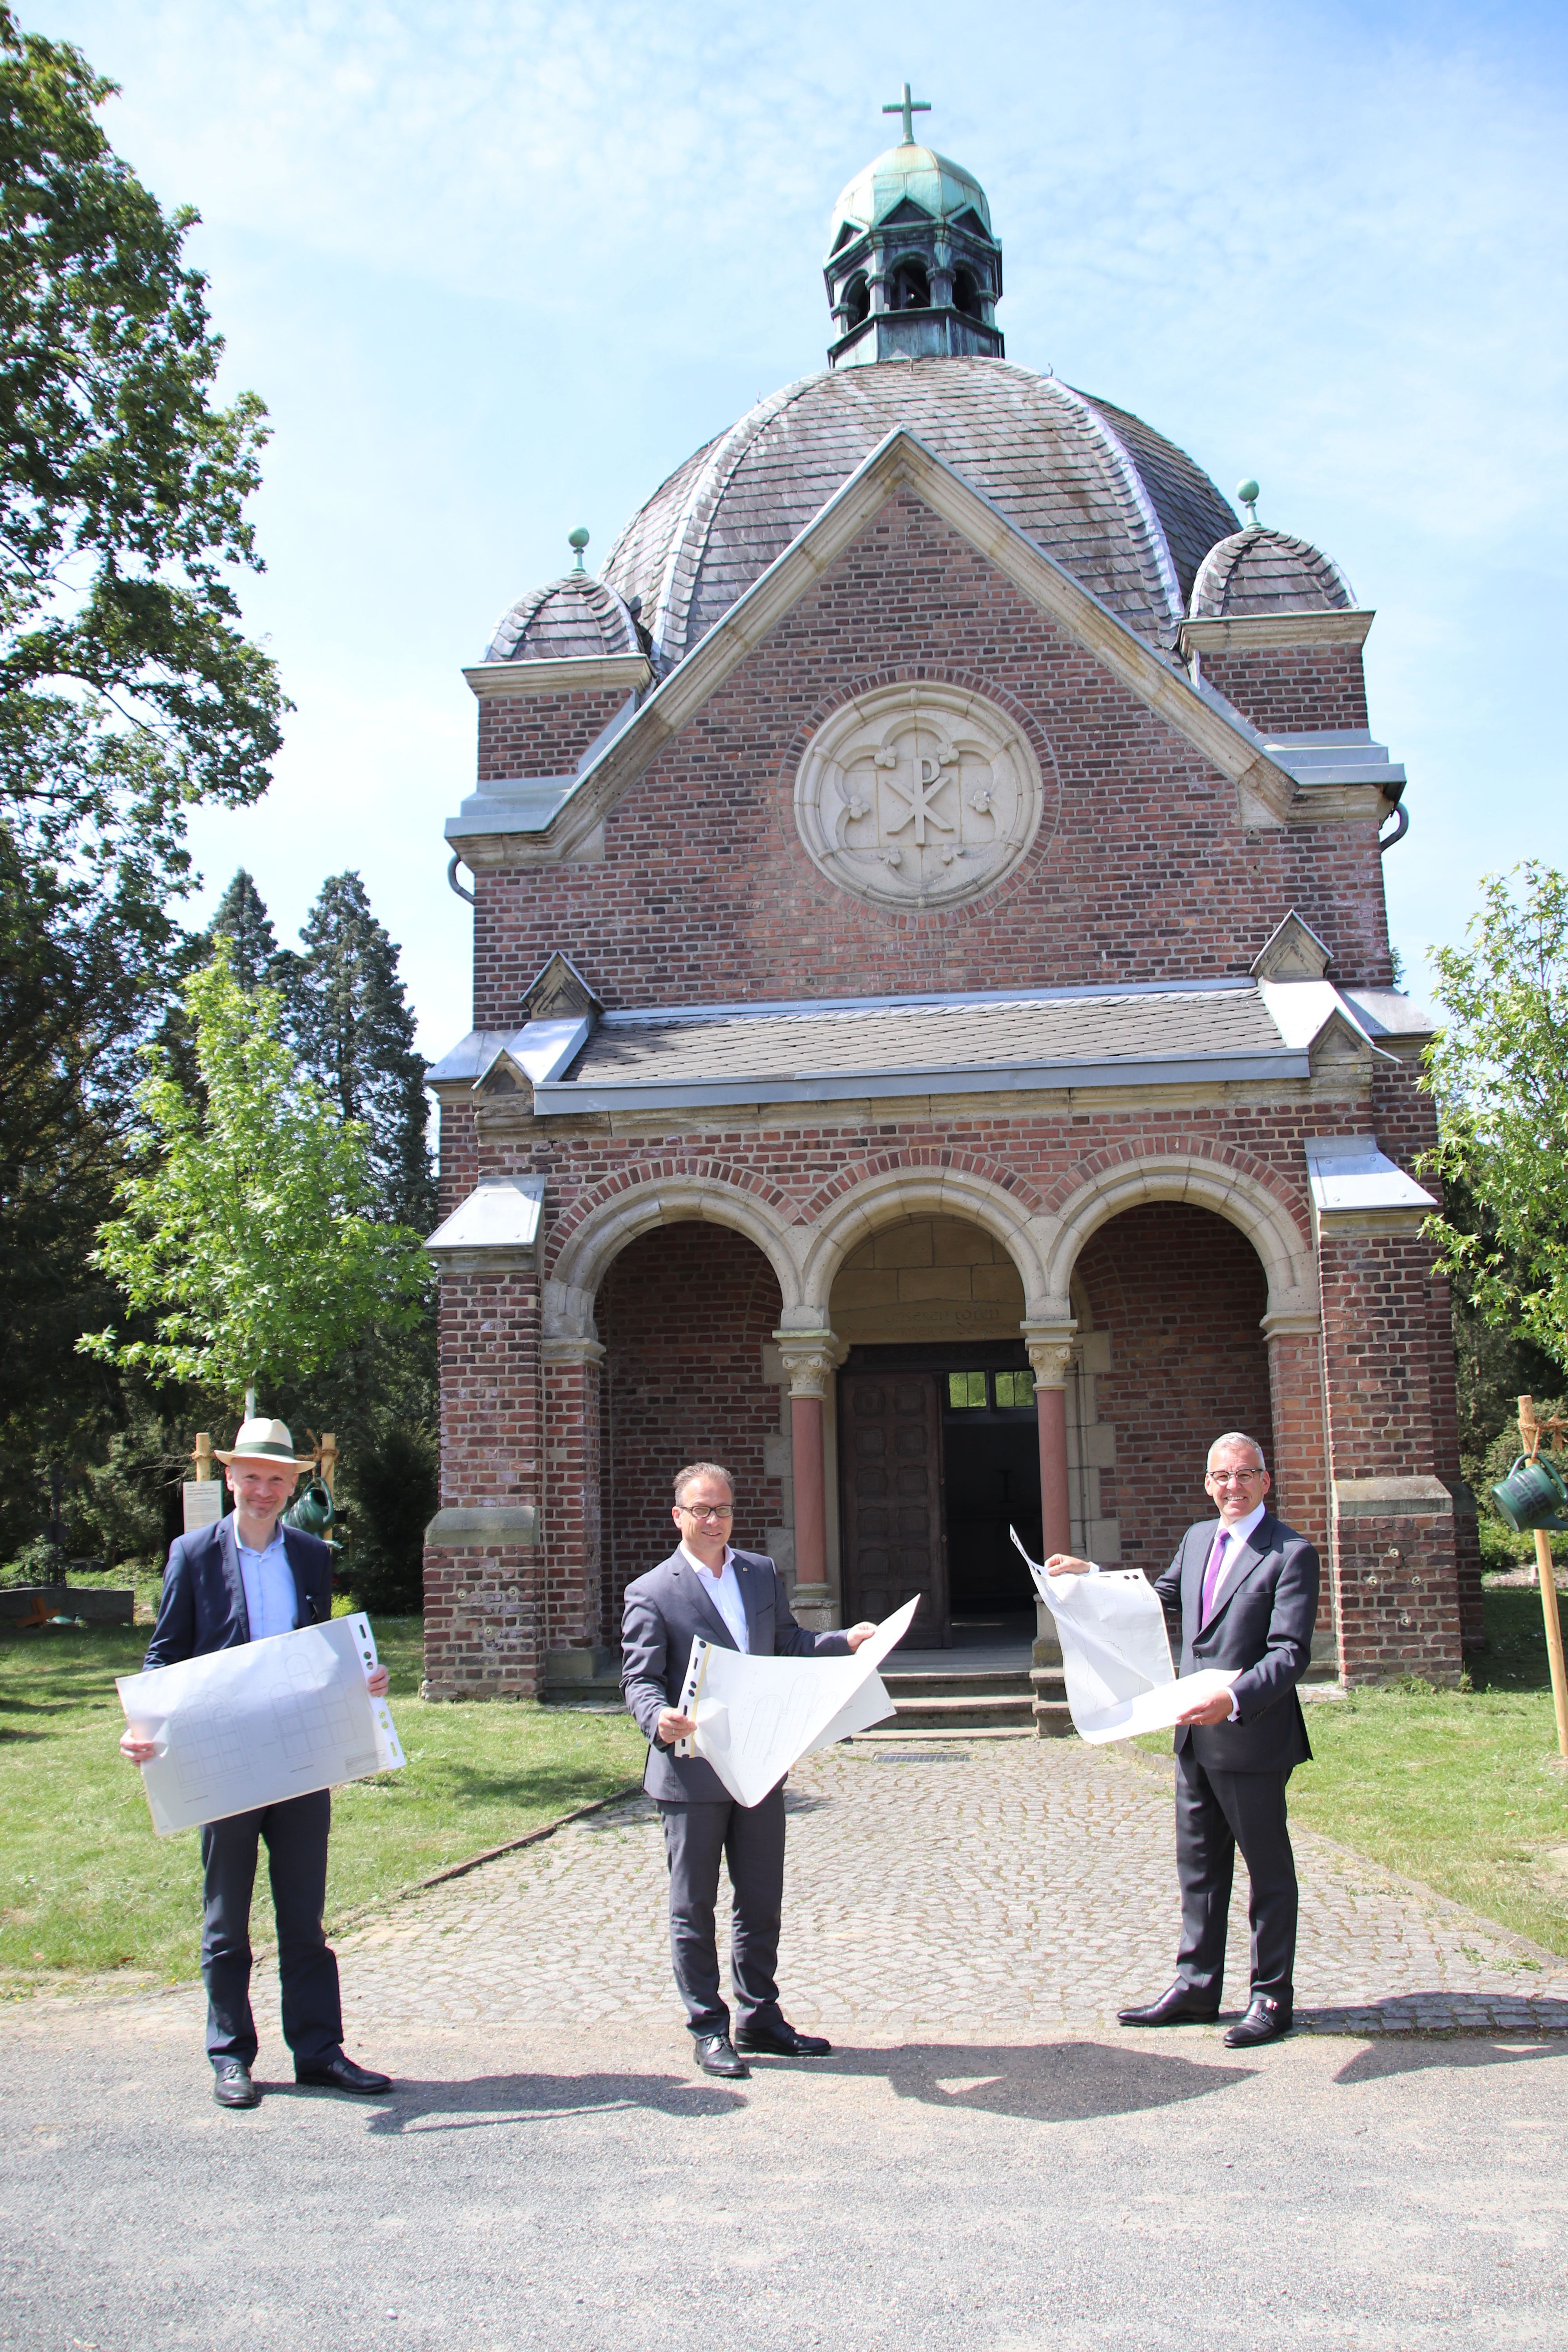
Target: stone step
x,y
951,1712
1000,1681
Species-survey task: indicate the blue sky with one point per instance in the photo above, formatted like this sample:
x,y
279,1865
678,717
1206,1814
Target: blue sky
x,y
496,270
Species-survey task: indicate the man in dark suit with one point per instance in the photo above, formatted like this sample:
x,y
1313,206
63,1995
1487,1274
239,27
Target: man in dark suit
x,y
242,1579
1247,1589
736,1599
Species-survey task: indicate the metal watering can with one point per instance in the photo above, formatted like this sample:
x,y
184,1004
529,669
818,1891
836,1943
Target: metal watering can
x,y
1531,1495
312,1512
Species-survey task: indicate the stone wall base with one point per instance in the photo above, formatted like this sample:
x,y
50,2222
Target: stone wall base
x,y
1396,1580
482,1616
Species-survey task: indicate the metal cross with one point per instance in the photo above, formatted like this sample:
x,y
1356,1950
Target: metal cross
x,y
908,107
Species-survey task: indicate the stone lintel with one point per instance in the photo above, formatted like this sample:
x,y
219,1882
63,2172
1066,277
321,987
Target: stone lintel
x,y
580,673
1391,1499
1258,633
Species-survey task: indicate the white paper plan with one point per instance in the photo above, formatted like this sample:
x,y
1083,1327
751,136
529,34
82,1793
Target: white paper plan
x,y
756,1717
248,1726
1116,1658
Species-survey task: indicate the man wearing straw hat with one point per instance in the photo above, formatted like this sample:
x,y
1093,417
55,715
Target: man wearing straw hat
x,y
240,1581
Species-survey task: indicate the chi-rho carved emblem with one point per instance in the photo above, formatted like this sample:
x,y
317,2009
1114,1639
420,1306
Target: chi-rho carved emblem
x,y
917,796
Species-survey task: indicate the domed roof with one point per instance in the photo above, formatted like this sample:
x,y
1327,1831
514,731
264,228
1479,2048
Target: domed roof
x,y
565,620
1123,509
919,173
1261,570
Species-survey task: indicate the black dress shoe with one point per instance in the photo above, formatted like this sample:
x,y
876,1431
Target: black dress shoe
x,y
1265,2021
1179,2005
780,2040
341,2074
232,2085
716,2055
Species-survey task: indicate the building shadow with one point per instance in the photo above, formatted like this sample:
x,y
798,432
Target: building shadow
x,y
1380,2060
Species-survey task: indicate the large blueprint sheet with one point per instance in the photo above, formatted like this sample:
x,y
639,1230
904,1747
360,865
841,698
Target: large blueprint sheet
x,y
756,1717
1116,1658
249,1727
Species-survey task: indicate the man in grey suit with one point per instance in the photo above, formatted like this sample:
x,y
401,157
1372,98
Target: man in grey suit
x,y
1247,1589
736,1599
239,1580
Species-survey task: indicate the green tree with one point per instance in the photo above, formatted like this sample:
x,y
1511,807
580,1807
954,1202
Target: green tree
x,y
128,692
248,1238
243,920
1499,1070
354,1032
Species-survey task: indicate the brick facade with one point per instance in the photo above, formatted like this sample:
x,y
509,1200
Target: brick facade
x,y
1293,689
671,1241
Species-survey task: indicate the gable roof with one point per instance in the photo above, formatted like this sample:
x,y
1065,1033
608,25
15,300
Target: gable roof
x,y
559,820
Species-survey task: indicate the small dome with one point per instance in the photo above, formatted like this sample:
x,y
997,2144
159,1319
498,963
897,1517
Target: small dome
x,y
569,619
1258,570
918,174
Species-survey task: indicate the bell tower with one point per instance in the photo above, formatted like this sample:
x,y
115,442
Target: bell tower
x,y
912,269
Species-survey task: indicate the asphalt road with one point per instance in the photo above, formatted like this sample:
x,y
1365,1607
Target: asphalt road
x,y
591,2190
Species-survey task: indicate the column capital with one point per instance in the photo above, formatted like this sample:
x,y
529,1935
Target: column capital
x,y
810,1360
563,1350
1050,1351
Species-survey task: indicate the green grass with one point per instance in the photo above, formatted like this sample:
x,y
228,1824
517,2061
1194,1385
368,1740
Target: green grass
x,y
85,1884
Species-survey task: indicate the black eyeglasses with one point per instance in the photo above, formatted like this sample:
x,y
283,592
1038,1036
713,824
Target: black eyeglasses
x,y
707,1510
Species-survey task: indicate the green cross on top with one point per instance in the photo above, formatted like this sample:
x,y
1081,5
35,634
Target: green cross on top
x,y
908,107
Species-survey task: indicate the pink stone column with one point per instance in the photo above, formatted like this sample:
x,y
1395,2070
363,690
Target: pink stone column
x,y
809,1358
1050,1353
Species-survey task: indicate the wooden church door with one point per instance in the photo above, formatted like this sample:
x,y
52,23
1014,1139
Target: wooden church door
x,y
890,1457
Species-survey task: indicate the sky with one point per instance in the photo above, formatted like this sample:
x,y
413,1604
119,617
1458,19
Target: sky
x,y
497,270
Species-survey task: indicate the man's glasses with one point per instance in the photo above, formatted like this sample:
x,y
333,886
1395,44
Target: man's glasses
x,y
708,1510
1238,1478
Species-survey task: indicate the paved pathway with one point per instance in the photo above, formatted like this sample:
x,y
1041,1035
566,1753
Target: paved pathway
x,y
1005,1887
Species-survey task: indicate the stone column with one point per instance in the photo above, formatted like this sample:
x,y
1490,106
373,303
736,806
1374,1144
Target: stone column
x,y
1050,1353
809,1358
572,1473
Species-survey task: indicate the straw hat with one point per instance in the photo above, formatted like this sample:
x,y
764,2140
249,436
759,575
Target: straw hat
x,y
266,1440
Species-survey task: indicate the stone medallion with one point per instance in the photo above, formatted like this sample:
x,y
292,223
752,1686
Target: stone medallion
x,y
917,795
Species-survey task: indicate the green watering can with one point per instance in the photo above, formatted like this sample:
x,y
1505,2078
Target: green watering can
x,y
313,1513
1531,1495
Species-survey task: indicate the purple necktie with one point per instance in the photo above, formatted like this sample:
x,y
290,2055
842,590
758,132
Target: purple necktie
x,y
1211,1576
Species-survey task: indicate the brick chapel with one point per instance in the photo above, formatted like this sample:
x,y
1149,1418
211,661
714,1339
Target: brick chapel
x,y
935,1044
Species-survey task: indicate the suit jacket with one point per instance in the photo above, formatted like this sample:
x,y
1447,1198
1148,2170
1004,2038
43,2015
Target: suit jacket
x,y
664,1609
1268,1608
203,1604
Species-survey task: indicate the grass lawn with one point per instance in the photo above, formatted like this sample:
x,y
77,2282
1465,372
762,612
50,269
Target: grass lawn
x,y
86,1885
1462,1789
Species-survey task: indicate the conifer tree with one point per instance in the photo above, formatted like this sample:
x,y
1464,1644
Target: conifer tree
x,y
243,920
354,1032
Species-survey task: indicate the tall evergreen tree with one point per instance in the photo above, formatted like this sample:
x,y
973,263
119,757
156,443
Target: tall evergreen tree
x,y
243,920
354,1032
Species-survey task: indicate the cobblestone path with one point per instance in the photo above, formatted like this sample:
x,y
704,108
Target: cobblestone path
x,y
998,1888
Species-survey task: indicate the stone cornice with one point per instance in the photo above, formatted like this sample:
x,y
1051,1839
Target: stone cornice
x,y
900,462
585,674
1257,633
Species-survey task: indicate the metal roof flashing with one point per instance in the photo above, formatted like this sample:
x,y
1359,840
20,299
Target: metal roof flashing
x,y
495,1230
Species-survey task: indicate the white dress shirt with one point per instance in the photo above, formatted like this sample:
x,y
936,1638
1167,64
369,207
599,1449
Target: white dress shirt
x,y
270,1599
724,1592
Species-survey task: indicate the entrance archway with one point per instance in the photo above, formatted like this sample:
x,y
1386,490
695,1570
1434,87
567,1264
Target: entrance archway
x,y
938,1438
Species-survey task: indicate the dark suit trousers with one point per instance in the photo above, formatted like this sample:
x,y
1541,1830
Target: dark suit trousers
x,y
296,1836
751,1839
1216,1812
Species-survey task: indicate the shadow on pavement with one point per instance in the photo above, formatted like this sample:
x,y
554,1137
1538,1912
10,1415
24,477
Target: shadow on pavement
x,y
1485,2046
484,2100
1049,2082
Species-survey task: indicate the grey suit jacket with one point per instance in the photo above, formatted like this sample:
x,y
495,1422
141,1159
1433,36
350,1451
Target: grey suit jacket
x,y
203,1602
1264,1625
664,1611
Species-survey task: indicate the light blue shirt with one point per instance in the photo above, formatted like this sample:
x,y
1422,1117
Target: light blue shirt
x,y
724,1592
270,1599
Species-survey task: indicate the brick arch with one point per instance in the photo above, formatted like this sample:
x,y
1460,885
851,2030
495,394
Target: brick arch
x,y
604,1227
1232,1191
912,1190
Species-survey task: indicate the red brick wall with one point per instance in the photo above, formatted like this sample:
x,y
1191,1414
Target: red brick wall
x,y
1293,689
683,1314
1132,875
1181,1294
540,734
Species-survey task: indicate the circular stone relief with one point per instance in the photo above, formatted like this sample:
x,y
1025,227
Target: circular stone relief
x,y
917,795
